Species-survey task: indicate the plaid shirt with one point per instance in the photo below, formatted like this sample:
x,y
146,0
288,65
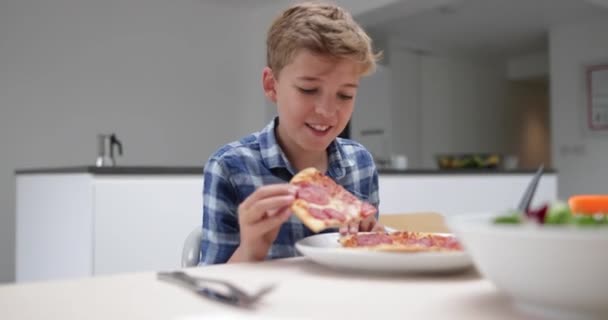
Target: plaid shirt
x,y
237,169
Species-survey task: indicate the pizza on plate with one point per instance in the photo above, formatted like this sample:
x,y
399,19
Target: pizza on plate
x,y
321,203
402,241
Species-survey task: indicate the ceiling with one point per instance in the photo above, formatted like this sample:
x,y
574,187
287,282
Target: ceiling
x,y
247,4
485,27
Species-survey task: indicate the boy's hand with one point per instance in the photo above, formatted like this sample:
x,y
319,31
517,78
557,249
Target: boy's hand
x,y
368,224
260,218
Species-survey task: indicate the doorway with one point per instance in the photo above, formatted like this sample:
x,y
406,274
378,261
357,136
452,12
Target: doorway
x,y
531,143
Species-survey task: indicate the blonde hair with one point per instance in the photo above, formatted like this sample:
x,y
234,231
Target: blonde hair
x,y
321,28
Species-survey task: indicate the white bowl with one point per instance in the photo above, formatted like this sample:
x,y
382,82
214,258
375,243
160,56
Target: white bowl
x,y
549,271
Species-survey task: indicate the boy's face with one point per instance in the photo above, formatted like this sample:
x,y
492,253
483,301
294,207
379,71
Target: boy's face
x,y
315,96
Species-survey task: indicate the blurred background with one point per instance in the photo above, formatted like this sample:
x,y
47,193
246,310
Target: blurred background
x,y
177,79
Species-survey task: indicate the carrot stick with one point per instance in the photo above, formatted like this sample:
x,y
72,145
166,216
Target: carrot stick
x,y
589,204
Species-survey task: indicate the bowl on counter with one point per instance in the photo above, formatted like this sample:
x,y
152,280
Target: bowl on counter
x,y
554,272
469,161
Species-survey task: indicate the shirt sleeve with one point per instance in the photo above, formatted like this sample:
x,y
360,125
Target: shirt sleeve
x,y
220,223
374,197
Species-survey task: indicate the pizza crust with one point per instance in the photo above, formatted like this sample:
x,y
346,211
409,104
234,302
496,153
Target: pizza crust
x,y
307,174
299,208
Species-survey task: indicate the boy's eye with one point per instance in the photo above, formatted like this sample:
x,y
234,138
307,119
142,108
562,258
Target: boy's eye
x,y
344,96
308,91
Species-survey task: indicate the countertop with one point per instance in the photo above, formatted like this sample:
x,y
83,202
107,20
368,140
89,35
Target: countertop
x,y
193,170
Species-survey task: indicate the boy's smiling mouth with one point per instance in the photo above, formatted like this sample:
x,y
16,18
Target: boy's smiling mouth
x,y
318,127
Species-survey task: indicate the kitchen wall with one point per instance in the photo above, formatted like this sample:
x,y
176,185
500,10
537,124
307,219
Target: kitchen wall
x,y
372,113
464,106
174,79
580,156
166,76
437,104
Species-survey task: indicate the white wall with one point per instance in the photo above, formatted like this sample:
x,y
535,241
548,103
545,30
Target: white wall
x,y
528,66
463,106
579,156
438,104
407,110
166,76
373,112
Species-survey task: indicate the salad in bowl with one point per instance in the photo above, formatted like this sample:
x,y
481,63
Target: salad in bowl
x,y
551,260
581,210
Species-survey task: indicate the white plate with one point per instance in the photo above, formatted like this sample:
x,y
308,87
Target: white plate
x,y
326,250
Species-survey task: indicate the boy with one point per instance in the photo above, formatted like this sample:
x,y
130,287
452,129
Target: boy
x,y
316,54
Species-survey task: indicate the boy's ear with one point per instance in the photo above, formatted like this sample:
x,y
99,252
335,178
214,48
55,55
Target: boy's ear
x,y
268,82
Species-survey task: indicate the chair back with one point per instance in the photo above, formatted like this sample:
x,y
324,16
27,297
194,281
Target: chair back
x,y
415,221
191,250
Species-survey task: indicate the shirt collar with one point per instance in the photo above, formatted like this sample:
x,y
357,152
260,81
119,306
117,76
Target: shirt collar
x,y
272,154
274,157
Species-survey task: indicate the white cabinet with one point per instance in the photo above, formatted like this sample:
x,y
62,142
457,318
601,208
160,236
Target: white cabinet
x,y
460,193
83,224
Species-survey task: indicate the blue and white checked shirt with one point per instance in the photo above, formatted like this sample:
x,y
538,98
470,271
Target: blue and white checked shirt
x,y
234,171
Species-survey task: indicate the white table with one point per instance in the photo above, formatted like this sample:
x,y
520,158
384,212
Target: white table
x,y
304,290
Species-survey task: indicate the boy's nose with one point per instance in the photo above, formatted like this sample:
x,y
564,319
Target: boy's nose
x,y
325,108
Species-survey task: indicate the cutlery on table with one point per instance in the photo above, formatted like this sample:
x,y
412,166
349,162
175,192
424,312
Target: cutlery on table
x,y
214,289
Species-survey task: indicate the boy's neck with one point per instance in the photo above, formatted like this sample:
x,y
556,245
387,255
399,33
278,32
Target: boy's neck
x,y
302,159
306,160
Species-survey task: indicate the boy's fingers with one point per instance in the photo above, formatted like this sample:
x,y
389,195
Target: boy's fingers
x,y
269,191
273,222
378,227
343,230
352,227
367,224
267,206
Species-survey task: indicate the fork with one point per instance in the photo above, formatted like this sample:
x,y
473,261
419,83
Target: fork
x,y
526,198
199,285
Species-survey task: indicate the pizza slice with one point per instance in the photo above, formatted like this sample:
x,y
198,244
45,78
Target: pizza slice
x,y
321,203
401,241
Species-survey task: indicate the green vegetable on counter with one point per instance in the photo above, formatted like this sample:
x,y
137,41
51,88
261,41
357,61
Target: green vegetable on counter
x,y
589,221
513,217
558,213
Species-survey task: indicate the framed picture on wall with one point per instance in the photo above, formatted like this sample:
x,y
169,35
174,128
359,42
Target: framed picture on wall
x,y
596,77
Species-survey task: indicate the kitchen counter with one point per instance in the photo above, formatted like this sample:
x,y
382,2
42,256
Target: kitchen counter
x,y
118,170
91,218
459,171
187,170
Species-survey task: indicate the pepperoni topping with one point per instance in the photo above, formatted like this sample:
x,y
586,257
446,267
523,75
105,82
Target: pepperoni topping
x,y
414,240
426,242
373,239
318,213
313,194
326,213
335,214
347,196
451,243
